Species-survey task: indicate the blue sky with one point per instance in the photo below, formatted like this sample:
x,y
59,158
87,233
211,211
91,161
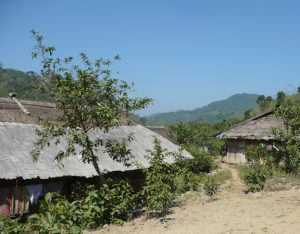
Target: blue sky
x,y
184,54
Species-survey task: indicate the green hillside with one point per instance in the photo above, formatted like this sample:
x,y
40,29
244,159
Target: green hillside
x,y
21,83
233,107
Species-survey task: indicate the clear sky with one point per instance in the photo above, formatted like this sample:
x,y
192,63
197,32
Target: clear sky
x,y
184,54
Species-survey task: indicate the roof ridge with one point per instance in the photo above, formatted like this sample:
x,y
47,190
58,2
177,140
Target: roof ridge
x,y
246,121
28,102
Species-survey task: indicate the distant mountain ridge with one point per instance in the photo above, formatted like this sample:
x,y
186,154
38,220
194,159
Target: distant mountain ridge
x,y
232,107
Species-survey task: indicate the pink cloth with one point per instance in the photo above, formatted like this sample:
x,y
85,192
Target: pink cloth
x,y
5,210
5,201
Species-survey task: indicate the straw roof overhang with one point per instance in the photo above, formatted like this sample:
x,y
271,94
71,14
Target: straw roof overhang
x,y
257,128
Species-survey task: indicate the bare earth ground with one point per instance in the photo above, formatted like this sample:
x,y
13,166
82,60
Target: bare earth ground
x,y
231,212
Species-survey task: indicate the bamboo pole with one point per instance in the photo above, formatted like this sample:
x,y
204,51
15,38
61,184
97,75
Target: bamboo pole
x,y
13,97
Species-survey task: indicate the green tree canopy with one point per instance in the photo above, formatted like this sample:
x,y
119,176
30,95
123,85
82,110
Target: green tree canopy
x,y
87,98
288,136
247,114
264,102
280,97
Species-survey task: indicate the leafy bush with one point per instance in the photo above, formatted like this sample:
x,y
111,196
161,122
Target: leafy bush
x,y
256,153
110,203
201,135
201,161
210,186
262,165
9,225
190,173
288,140
158,191
121,201
255,177
56,215
185,180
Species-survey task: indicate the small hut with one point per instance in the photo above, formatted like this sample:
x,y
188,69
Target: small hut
x,y
22,181
257,130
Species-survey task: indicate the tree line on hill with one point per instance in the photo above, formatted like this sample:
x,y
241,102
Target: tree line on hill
x,y
267,103
24,84
230,108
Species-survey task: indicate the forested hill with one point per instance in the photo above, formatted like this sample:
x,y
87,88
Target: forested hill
x,y
21,83
232,107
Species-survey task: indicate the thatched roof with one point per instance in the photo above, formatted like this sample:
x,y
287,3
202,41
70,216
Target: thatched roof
x,y
17,137
257,128
39,111
16,142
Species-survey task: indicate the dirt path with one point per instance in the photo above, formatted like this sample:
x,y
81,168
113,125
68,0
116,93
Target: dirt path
x,y
235,186
232,212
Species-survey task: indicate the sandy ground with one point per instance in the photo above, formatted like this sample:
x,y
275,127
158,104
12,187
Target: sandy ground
x,y
231,212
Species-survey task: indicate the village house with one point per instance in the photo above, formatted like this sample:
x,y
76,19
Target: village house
x,y
257,130
23,182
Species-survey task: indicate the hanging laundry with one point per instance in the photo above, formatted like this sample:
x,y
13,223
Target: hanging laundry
x,y
14,200
20,200
35,191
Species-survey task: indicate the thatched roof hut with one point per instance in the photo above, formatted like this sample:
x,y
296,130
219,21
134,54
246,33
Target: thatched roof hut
x,y
253,131
17,136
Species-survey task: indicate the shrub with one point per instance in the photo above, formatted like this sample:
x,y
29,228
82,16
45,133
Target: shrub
x,y
185,180
121,201
201,161
158,191
190,173
256,153
10,226
255,177
110,203
288,140
210,186
56,215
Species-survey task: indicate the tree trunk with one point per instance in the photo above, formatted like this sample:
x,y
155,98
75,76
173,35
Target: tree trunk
x,y
96,166
95,162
